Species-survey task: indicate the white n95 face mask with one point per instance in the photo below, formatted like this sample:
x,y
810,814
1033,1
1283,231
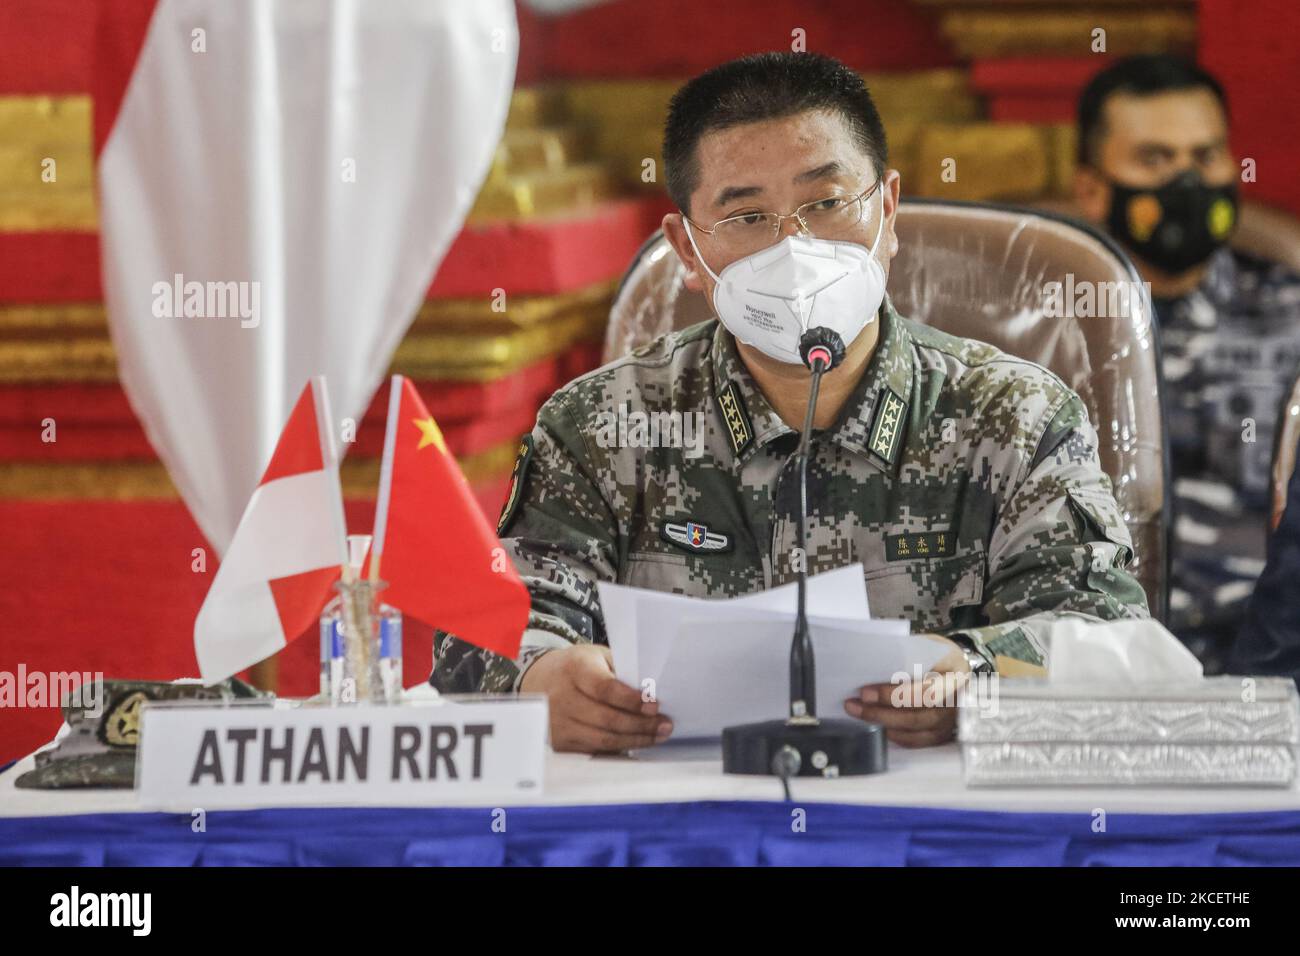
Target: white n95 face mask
x,y
769,299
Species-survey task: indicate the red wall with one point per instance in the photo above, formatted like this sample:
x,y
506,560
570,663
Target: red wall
x,y
679,38
1254,50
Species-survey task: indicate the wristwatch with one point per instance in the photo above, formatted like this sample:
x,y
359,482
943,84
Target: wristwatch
x,y
979,664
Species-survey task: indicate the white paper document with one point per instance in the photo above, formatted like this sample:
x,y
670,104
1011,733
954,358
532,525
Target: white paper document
x,y
714,663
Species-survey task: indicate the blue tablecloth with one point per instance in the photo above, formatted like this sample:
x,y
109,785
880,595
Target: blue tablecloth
x,y
678,834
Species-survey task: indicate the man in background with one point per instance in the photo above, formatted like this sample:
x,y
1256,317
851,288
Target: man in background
x,y
1155,170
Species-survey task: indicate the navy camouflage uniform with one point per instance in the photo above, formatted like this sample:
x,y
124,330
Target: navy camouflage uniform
x,y
1231,348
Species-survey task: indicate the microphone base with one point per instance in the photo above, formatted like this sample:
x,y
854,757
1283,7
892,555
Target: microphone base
x,y
828,748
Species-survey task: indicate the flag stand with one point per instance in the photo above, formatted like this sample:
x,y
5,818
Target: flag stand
x,y
385,478
358,649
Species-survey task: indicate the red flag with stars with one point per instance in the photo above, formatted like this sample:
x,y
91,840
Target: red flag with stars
x,y
438,553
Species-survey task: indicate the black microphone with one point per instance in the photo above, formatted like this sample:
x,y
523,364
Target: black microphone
x,y
821,346
803,745
821,350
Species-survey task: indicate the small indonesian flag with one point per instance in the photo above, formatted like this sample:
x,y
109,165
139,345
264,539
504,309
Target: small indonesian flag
x,y
443,563
284,558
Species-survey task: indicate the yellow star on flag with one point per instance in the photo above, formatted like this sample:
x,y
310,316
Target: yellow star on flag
x,y
430,434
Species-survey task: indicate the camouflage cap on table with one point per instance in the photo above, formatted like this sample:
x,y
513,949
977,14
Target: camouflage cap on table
x,y
103,720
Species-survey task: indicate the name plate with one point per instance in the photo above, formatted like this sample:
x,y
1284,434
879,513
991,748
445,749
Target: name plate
x,y
462,751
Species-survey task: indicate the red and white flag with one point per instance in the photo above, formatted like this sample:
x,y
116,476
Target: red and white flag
x,y
443,562
278,183
286,553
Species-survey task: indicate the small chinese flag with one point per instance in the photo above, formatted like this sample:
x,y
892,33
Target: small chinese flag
x,y
443,563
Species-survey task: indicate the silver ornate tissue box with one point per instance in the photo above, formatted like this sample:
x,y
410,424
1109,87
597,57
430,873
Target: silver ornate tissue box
x,y
1221,731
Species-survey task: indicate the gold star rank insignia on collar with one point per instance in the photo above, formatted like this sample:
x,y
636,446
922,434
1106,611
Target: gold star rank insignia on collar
x,y
887,427
739,428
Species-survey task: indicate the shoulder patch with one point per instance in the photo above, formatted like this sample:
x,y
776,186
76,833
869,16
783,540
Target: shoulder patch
x,y
887,426
739,428
516,484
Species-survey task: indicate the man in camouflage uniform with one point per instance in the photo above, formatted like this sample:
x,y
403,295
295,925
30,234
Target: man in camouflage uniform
x,y
1156,170
964,480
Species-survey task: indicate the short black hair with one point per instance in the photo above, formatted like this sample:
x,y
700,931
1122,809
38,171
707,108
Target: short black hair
x,y
762,87
1144,75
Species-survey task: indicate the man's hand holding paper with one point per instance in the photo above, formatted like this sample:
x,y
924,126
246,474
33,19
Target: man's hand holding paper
x,y
713,663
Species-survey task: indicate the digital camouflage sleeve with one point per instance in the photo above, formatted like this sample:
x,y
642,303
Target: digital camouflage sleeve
x,y
965,481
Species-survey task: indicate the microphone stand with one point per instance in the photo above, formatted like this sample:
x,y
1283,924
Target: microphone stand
x,y
803,666
802,745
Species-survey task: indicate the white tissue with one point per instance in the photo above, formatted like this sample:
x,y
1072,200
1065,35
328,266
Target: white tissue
x,y
1118,652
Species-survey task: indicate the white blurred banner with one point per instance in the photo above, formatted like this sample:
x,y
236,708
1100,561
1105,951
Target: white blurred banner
x,y
276,194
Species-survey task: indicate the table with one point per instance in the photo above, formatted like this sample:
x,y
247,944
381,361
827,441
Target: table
x,y
674,806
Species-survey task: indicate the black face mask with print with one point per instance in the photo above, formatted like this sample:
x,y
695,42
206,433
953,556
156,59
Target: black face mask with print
x,y
1177,225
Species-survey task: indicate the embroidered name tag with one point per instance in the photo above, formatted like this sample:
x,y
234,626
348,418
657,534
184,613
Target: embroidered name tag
x,y
695,537
921,544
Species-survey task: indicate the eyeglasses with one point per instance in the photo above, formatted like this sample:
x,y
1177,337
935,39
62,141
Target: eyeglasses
x,y
834,217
